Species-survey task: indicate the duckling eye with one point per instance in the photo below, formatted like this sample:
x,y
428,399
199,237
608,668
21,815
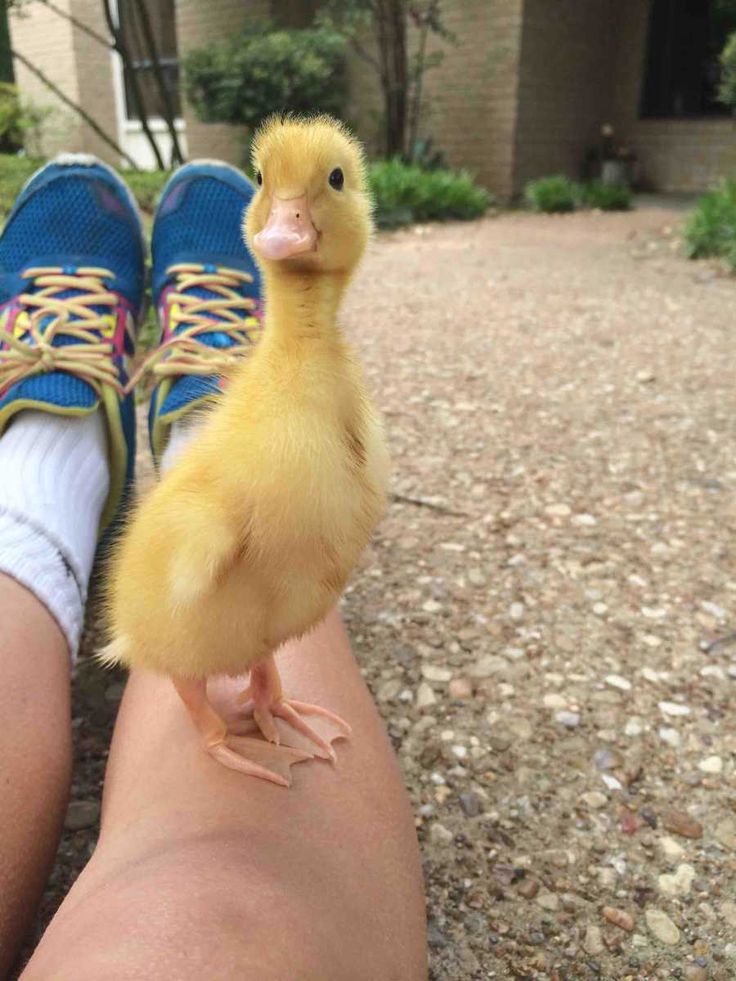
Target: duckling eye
x,y
259,178
337,179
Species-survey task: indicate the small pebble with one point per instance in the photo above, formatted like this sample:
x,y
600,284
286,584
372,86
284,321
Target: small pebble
x,y
558,510
516,611
725,833
528,887
677,883
694,972
471,804
487,666
728,912
674,709
711,764
440,835
586,520
680,823
616,681
425,696
460,689
619,917
593,941
571,720
594,799
82,814
670,736
433,672
552,700
671,849
549,901
662,927
715,611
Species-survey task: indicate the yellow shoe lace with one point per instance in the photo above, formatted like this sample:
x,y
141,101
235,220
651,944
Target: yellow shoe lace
x,y
48,316
229,312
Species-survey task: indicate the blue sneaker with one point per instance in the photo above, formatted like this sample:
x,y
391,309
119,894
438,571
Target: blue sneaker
x,y
71,288
206,289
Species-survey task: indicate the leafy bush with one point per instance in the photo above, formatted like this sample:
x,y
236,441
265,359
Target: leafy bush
x,y
14,172
265,70
607,197
711,229
405,193
551,194
727,91
17,120
146,186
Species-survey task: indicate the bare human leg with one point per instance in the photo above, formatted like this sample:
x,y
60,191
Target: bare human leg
x,y
35,757
203,873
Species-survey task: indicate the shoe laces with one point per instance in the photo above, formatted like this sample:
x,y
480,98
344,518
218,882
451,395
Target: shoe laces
x,y
64,325
204,300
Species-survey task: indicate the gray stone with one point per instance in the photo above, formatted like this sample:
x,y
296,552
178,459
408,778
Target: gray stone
x,y
82,814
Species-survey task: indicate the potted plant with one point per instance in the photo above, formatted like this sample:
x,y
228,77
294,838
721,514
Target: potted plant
x,y
617,161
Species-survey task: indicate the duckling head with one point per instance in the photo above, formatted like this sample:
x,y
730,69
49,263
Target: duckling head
x,y
312,208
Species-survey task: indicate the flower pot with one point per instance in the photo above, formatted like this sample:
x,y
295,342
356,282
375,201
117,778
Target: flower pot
x,y
615,172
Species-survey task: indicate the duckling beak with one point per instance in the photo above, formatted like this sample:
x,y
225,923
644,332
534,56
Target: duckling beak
x,y
289,230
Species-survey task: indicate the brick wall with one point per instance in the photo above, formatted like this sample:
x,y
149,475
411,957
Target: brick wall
x,y
94,80
80,66
565,84
675,154
46,40
471,100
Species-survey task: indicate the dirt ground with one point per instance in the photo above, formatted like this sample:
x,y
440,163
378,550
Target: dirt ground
x,y
545,616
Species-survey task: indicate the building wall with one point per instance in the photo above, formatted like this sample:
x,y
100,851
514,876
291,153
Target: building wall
x,y
471,97
45,39
565,84
94,80
79,65
674,154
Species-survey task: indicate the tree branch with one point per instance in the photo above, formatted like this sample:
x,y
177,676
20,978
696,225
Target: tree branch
x,y
365,54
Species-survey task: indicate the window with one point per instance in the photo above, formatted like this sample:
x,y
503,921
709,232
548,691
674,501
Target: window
x,y
162,17
682,69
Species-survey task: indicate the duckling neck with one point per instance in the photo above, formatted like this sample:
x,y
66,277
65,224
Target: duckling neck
x,y
301,307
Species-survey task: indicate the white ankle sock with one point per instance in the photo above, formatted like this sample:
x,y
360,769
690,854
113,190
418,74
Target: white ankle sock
x,y
182,433
54,481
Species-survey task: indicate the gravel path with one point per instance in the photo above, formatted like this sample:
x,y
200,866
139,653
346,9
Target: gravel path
x,y
545,615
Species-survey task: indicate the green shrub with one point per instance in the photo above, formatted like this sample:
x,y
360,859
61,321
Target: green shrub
x,y
146,186
14,172
607,197
17,120
551,194
711,229
405,193
727,91
264,70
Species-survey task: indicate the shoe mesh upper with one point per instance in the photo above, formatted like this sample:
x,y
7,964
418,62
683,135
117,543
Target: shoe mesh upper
x,y
74,216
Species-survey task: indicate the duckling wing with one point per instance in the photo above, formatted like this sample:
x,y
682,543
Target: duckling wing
x,y
209,542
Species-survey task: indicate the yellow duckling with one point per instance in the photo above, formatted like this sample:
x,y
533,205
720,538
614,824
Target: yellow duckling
x,y
250,538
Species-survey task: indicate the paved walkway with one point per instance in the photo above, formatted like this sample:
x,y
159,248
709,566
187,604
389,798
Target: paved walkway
x,y
535,614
